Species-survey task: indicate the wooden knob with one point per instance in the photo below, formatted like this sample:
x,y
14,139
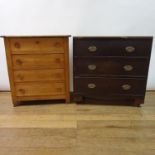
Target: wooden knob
x,y
37,42
59,89
19,62
57,44
19,76
57,75
57,60
17,45
22,91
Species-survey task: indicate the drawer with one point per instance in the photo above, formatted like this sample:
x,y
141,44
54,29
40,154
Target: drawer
x,y
39,75
112,47
36,45
39,88
110,66
100,87
38,61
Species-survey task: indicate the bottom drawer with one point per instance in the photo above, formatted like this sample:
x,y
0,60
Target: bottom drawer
x,y
101,87
39,89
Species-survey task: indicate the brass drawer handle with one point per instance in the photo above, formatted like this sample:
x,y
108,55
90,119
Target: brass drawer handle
x,y
92,48
91,67
126,87
91,85
130,49
19,62
128,67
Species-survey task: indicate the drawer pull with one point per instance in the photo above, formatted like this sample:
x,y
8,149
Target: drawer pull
x,y
20,77
130,49
37,42
91,85
57,75
19,62
22,91
92,48
126,87
17,45
57,44
91,67
128,68
59,89
57,60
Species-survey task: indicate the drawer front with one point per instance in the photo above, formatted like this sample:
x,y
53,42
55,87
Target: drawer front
x,y
39,89
98,87
36,45
39,75
110,66
38,61
112,47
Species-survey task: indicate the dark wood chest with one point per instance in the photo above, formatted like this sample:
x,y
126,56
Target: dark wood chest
x,y
111,69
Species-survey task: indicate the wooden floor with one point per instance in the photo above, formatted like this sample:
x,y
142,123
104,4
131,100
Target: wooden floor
x,y
70,129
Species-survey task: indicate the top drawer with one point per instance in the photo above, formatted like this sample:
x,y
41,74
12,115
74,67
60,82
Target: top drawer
x,y
112,46
37,45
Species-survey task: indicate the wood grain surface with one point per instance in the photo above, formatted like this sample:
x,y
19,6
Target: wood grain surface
x,y
70,129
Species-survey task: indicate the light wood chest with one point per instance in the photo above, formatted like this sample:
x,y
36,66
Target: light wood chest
x,y
38,67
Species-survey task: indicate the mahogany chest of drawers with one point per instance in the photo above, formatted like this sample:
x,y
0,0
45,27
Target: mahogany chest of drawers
x,y
111,69
38,67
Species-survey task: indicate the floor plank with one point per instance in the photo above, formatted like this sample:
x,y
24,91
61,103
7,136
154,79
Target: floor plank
x,y
68,129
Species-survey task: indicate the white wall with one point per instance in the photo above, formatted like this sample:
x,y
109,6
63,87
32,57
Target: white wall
x,y
76,17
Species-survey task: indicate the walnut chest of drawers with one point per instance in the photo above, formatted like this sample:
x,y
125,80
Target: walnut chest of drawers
x,y
111,69
38,67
